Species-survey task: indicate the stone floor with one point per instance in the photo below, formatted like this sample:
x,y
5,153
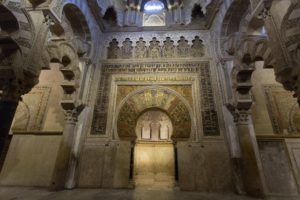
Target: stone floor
x,y
16,193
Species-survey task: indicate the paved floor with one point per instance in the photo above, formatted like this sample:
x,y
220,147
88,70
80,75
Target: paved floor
x,y
11,193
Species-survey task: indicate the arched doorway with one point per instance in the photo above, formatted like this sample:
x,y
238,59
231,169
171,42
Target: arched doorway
x,y
154,158
169,118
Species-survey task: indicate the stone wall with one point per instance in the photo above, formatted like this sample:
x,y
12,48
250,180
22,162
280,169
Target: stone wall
x,y
37,130
105,165
274,110
204,166
30,160
280,165
261,118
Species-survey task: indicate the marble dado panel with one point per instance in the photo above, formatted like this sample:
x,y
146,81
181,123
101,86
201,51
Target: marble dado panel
x,y
164,71
283,110
31,111
278,172
293,147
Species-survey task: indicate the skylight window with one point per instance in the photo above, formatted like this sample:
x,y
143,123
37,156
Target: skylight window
x,y
154,7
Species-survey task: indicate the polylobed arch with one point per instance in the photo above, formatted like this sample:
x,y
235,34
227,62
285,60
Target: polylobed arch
x,y
79,27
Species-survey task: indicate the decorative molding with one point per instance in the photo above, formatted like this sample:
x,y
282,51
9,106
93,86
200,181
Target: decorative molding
x,y
283,110
155,49
32,110
208,107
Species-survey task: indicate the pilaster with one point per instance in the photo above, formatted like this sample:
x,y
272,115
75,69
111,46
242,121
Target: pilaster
x,y
249,164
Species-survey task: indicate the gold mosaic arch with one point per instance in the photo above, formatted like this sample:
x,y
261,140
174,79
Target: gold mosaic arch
x,y
163,98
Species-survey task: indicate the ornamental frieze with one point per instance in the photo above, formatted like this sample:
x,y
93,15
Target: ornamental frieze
x,y
156,49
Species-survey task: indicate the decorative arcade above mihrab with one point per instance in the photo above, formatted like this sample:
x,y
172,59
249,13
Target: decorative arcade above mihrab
x,y
156,49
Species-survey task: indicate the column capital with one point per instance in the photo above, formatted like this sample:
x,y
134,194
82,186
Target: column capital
x,y
243,117
239,116
71,116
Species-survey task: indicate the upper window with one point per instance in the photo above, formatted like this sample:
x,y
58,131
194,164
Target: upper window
x,y
154,13
154,7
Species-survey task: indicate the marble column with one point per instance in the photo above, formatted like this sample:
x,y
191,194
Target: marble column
x,y
65,151
252,172
249,161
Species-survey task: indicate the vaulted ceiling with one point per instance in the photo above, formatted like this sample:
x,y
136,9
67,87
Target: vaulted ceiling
x,y
117,15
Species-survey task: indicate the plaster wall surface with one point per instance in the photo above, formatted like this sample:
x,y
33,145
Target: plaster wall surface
x,y
54,117
261,118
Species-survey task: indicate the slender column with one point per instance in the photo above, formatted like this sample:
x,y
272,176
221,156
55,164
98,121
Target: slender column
x,y
249,163
65,151
253,179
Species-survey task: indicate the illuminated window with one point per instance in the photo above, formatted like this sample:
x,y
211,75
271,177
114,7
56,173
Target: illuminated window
x,y
154,7
154,13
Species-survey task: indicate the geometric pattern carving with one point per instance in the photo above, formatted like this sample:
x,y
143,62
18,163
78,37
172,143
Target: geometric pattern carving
x,y
283,110
208,108
183,48
141,49
154,98
127,49
113,51
30,113
168,48
154,50
197,49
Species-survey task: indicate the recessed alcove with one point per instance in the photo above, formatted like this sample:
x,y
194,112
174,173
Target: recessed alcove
x,y
154,157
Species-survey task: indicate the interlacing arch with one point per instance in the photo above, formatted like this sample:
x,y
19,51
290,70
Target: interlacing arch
x,y
259,50
237,39
89,30
22,30
291,32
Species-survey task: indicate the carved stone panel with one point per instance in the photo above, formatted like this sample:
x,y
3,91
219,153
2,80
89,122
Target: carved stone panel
x,y
141,49
197,49
154,49
168,48
283,110
183,48
127,49
113,51
201,69
31,111
154,125
154,98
